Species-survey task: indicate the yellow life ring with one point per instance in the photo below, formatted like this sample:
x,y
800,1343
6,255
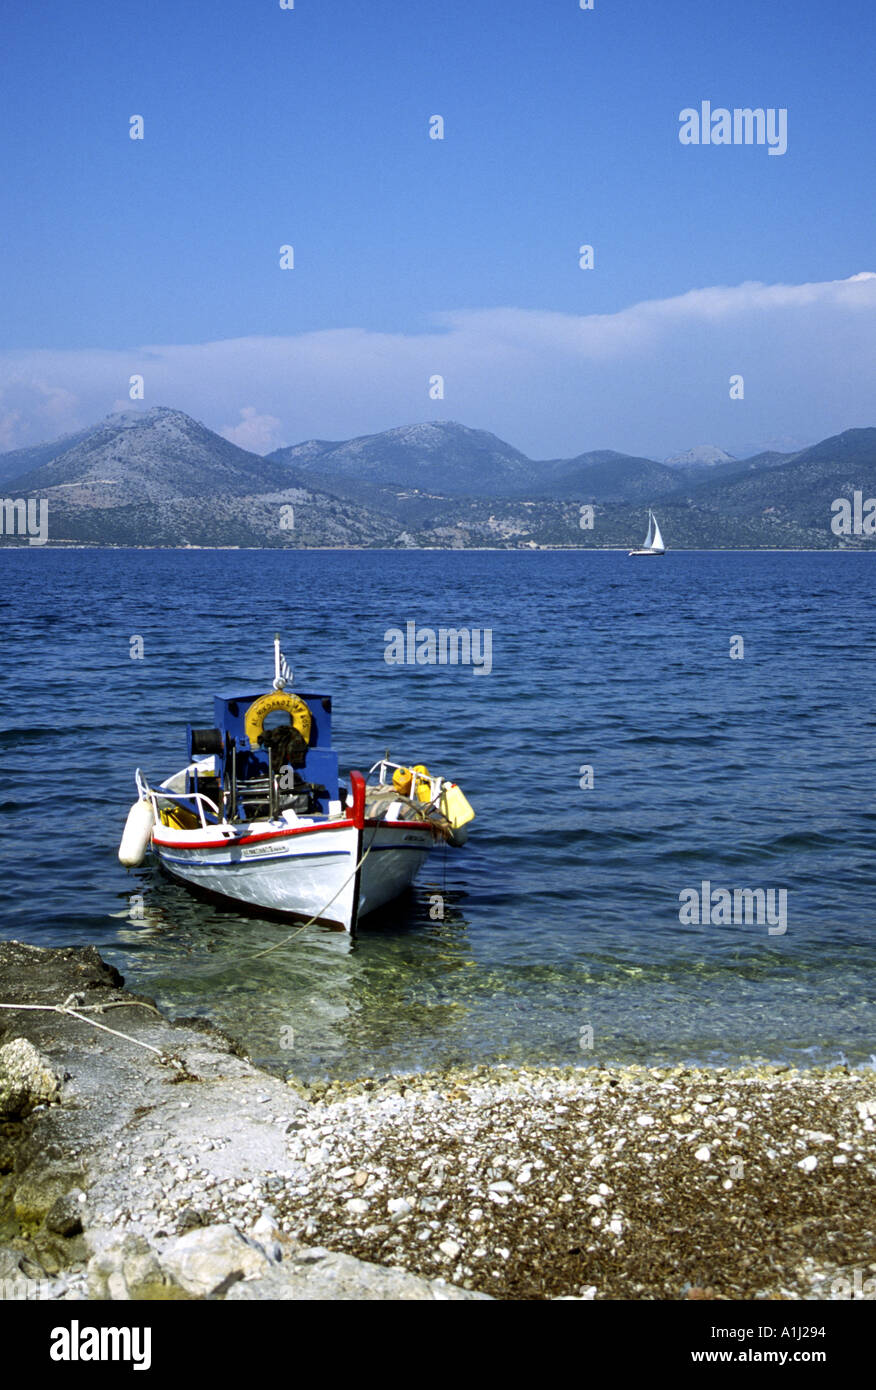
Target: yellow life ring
x,y
254,719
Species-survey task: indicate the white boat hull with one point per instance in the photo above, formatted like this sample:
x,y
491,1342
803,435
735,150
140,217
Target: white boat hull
x,y
334,874
259,818
395,856
301,874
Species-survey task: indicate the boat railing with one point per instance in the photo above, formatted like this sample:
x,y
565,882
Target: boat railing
x,y
147,793
198,797
383,765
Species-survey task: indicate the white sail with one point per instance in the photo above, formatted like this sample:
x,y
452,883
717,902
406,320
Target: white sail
x,y
646,544
657,540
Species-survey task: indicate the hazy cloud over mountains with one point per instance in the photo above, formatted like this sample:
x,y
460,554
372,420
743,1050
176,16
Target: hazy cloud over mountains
x,y
646,379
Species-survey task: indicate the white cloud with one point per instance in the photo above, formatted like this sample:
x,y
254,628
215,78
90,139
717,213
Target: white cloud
x,y
650,378
32,408
261,434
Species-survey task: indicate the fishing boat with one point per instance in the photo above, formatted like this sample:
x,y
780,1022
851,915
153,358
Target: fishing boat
x,y
259,818
653,542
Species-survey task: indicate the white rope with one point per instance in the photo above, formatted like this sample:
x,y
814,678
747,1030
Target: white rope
x,y
137,1003
87,1008
94,1008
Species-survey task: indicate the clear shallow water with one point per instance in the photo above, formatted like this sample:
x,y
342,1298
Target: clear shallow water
x,y
562,912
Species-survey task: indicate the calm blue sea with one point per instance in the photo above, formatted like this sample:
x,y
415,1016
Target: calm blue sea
x,y
562,913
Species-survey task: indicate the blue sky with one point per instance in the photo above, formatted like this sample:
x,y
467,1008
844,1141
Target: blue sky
x,y
310,127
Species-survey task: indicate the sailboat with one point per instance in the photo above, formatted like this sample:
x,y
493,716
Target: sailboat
x,y
653,543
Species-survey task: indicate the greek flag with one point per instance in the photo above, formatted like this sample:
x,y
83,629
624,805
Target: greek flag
x,y
285,669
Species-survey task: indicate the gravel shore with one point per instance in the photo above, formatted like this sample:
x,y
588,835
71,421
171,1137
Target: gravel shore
x,y
628,1183
516,1183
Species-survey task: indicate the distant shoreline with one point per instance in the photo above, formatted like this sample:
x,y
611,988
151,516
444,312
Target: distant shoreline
x,y
458,550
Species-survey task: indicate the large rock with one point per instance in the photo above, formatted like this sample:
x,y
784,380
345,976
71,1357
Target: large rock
x,y
128,1268
208,1261
64,1217
26,1079
220,1262
39,1187
329,1277
203,1263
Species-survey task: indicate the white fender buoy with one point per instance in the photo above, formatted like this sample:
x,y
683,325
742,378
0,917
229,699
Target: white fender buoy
x,y
137,834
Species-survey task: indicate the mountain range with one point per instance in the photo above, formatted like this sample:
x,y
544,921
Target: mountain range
x,y
159,477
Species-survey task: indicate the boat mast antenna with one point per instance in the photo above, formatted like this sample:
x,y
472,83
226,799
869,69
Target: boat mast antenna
x,y
279,663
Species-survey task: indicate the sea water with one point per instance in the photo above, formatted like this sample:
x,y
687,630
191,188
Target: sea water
x,y
647,726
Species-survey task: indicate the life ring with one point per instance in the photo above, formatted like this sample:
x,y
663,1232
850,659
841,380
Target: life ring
x,y
254,719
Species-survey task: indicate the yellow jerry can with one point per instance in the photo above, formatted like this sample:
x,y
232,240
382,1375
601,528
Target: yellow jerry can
x,y
454,806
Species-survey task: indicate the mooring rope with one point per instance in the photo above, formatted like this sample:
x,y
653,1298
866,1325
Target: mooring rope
x,y
82,1009
316,916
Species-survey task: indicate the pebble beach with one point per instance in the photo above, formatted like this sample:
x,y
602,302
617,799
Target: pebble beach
x,y
139,1158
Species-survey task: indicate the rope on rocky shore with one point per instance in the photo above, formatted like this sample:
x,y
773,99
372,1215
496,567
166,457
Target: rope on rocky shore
x,y
81,1010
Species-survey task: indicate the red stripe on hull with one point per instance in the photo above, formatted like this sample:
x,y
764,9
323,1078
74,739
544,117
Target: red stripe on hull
x,y
254,839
